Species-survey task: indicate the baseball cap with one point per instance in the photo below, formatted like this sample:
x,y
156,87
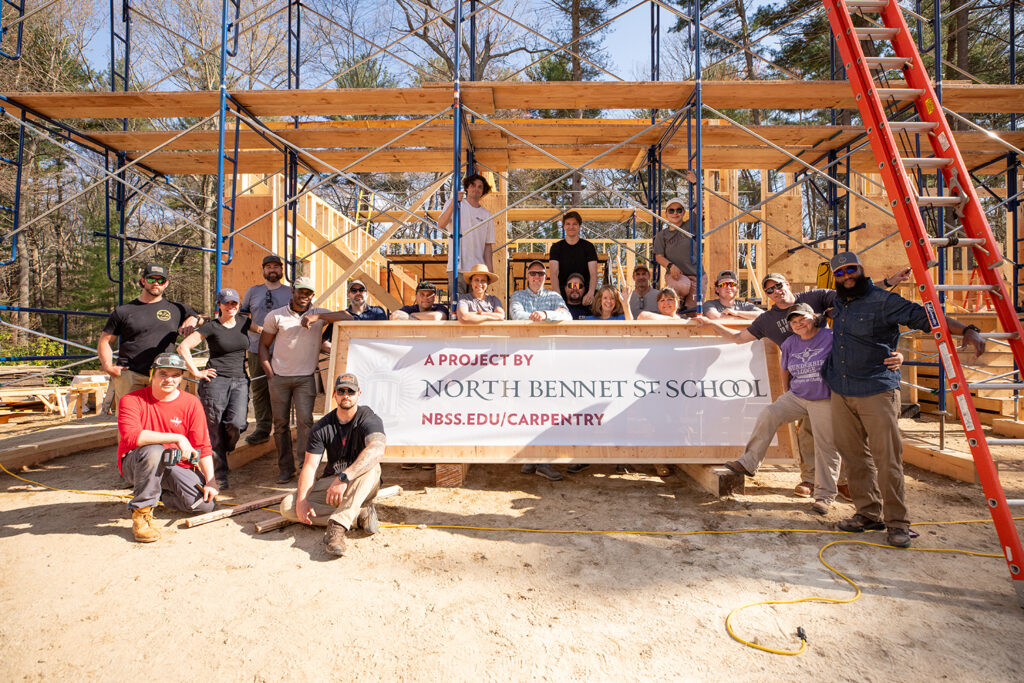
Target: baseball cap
x,y
272,258
777,277
155,269
304,283
169,360
354,283
227,295
641,266
843,258
537,262
346,381
675,200
800,309
424,285
575,276
726,275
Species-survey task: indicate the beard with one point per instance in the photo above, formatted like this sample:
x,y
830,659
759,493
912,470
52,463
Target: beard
x,y
859,288
272,277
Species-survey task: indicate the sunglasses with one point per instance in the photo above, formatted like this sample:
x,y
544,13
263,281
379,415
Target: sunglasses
x,y
535,273
848,270
770,290
357,290
345,392
727,284
156,280
574,285
268,300
673,210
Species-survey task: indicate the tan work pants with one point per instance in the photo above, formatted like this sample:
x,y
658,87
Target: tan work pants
x,y
359,492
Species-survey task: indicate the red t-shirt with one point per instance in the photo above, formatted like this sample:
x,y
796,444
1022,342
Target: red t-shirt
x,y
140,410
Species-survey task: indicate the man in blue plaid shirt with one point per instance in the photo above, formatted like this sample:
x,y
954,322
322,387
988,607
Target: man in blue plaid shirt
x,y
536,303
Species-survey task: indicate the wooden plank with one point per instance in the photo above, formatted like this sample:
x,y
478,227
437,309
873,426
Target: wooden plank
x,y
86,439
273,523
716,480
954,464
245,453
239,509
1011,428
450,475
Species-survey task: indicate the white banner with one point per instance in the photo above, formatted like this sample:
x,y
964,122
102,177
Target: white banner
x,y
564,392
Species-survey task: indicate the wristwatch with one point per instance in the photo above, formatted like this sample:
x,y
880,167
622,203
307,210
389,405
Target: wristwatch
x,y
972,327
343,477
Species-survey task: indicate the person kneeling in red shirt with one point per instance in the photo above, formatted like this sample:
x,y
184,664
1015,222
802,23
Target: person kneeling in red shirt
x,y
162,434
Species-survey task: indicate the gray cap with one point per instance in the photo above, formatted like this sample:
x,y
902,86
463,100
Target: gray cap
x,y
273,258
801,309
354,283
726,275
304,283
346,381
776,277
228,295
537,262
843,258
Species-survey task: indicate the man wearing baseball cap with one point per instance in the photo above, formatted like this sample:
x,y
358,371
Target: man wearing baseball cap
x,y
351,439
675,251
644,297
865,398
258,301
144,327
727,305
426,306
291,371
162,442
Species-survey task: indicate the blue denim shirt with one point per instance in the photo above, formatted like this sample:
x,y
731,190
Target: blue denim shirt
x,y
864,332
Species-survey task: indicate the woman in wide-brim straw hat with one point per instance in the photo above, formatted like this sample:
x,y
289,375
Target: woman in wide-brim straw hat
x,y
477,306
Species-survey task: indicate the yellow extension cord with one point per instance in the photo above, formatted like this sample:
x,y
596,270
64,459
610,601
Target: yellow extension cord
x,y
733,613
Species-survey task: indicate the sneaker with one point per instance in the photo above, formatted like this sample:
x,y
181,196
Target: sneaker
x,y
804,489
737,467
548,472
662,470
334,538
859,523
578,467
528,469
285,477
622,469
898,538
844,492
429,467
409,465
257,438
367,519
820,507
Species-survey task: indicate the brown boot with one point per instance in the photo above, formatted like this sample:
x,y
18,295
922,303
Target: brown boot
x,y
142,525
334,538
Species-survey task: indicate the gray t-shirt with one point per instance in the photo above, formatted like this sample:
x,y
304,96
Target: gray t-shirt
x,y
677,248
772,323
256,305
489,304
648,302
717,306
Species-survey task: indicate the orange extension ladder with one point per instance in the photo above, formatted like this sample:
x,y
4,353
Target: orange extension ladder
x,y
902,113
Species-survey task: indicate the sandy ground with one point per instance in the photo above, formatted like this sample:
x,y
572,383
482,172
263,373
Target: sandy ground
x,y
79,599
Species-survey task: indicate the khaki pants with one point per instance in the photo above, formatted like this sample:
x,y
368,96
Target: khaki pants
x,y
867,434
359,492
823,469
126,383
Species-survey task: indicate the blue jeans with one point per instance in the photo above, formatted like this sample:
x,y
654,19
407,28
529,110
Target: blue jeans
x,y
226,401
285,392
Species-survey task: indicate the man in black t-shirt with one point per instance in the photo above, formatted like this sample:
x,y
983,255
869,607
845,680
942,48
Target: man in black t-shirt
x,y
145,328
573,255
352,438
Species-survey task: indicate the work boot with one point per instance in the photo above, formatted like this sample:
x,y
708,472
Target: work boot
x,y
257,438
577,467
737,467
548,472
898,538
367,519
859,523
142,525
334,538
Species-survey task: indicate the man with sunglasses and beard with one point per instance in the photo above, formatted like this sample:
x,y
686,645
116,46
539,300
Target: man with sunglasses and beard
x,y
866,394
257,302
351,439
145,328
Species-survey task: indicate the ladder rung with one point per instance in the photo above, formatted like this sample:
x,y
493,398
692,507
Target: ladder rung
x,y
1005,442
887,62
873,33
926,162
900,94
998,335
912,126
1003,386
867,4
957,242
947,201
965,288
1015,501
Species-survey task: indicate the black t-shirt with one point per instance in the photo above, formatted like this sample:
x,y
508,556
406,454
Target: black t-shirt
x,y
772,323
415,308
227,346
579,311
145,331
343,442
573,258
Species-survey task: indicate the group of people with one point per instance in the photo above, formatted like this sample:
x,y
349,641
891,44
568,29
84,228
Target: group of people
x,y
841,383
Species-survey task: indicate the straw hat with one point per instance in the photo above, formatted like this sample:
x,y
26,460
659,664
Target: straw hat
x,y
480,269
